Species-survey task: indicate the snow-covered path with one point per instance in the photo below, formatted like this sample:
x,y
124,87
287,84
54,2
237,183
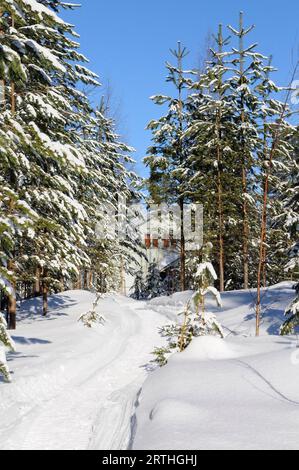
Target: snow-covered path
x,y
78,388
81,393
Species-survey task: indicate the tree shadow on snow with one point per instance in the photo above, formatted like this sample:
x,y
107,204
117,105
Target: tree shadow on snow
x,y
33,308
13,356
271,314
23,340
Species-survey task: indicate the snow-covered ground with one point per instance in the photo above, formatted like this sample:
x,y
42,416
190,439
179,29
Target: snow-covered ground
x,y
237,393
73,387
79,388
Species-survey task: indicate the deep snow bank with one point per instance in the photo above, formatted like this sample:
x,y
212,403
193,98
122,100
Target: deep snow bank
x,y
237,393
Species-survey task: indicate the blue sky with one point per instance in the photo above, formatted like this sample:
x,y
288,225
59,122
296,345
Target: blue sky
x,y
128,41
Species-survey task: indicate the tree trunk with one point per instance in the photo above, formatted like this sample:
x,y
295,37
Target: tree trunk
x,y
13,98
37,282
12,311
85,279
221,241
245,233
45,299
182,250
244,160
79,282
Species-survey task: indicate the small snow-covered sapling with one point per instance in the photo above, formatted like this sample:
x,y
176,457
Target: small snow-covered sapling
x,y
198,321
92,317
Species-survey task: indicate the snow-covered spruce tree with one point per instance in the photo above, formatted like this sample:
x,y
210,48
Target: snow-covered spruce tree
x,y
247,74
139,286
197,320
153,284
289,219
16,217
291,325
6,343
277,162
211,161
167,154
228,111
109,181
49,109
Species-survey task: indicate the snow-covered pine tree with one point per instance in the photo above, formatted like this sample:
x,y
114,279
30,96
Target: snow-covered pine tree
x,y
154,285
167,155
289,220
6,343
16,216
277,160
291,325
246,69
49,110
109,180
211,160
139,286
288,192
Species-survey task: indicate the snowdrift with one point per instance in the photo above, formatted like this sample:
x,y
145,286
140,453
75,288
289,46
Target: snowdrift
x,y
237,393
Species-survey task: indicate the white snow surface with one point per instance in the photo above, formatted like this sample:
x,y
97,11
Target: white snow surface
x,y
238,393
79,388
74,387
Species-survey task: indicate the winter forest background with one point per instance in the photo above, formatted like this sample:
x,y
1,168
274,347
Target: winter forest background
x,y
226,137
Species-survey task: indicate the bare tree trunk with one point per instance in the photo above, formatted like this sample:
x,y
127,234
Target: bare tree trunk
x,y
123,289
13,98
79,281
45,299
182,250
85,281
264,268
12,305
37,282
245,232
221,240
261,254
90,279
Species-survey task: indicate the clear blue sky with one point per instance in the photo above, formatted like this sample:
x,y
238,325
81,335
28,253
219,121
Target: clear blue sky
x,y
128,41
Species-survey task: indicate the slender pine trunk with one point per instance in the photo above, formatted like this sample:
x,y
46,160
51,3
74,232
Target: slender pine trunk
x,y
45,298
12,306
37,282
182,249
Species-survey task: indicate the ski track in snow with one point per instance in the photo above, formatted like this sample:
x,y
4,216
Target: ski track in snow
x,y
94,408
